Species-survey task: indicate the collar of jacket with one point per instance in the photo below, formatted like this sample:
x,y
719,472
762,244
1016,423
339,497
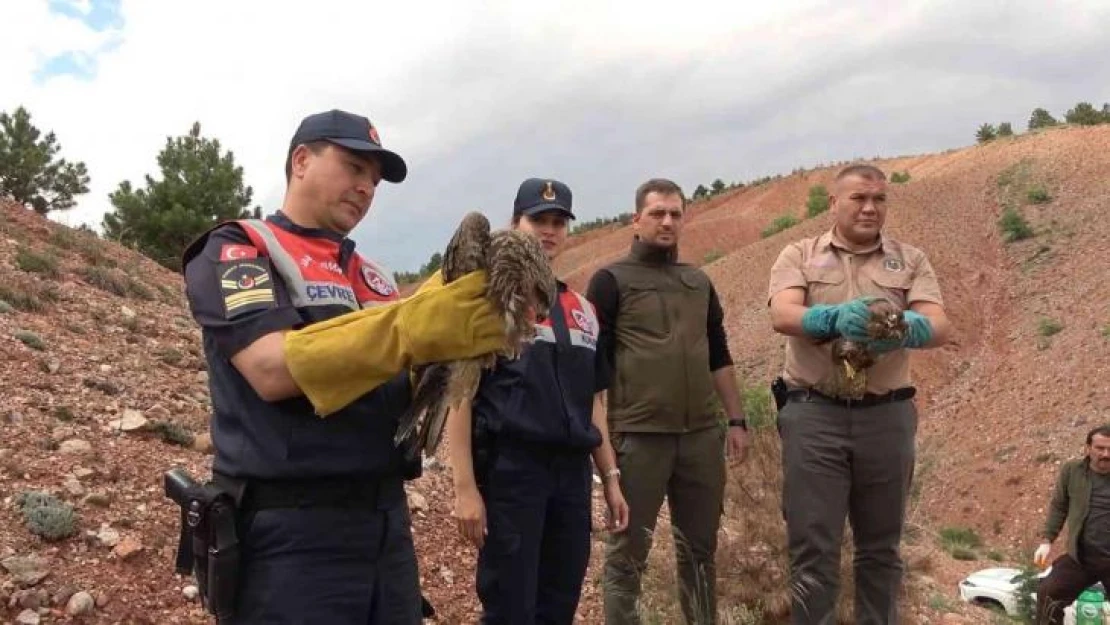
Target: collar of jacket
x,y
654,254
281,220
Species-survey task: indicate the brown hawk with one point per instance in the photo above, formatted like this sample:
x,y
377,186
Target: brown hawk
x,y
851,359
521,287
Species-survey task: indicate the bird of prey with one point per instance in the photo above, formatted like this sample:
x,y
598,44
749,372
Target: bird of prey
x,y
851,359
521,287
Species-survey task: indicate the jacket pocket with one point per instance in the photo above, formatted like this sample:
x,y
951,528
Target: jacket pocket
x,y
825,285
895,286
646,310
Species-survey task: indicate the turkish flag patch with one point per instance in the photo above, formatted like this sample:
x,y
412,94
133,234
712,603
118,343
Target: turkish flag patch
x,y
231,251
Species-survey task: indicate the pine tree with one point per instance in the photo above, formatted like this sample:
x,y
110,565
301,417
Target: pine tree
x,y
1041,119
986,133
1084,114
200,187
31,172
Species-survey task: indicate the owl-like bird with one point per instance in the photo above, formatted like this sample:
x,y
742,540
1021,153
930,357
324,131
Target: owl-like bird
x,y
851,359
521,287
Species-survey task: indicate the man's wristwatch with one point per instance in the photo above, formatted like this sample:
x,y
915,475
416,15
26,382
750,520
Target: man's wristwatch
x,y
738,423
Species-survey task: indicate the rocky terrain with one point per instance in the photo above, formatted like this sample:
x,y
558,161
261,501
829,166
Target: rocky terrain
x,y
103,388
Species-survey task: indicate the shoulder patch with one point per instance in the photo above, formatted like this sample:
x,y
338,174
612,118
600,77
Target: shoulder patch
x,y
231,251
245,285
376,281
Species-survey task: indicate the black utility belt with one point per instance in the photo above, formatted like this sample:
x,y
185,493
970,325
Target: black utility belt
x,y
868,400
325,492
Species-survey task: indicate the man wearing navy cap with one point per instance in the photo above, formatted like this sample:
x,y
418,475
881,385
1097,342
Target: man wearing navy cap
x,y
520,452
308,345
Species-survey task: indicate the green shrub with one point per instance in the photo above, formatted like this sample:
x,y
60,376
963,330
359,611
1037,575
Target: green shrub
x,y
104,279
31,262
818,201
1038,195
1005,130
30,339
955,537
779,224
173,433
1048,327
47,516
900,177
1014,226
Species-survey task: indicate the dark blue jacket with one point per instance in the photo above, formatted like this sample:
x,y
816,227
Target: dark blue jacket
x,y
245,280
547,395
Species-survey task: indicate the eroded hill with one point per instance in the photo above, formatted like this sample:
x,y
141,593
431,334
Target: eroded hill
x,y
102,382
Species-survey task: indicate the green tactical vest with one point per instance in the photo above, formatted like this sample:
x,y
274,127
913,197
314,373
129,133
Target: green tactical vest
x,y
661,378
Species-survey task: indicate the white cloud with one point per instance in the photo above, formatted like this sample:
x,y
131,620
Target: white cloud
x,y
478,95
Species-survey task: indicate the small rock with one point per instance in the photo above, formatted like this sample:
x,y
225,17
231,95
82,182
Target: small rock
x,y
75,446
108,536
64,593
27,570
81,473
158,412
131,421
80,603
128,547
73,485
101,599
202,377
417,502
105,368
127,312
53,366
31,599
27,617
203,443
100,500
190,592
62,432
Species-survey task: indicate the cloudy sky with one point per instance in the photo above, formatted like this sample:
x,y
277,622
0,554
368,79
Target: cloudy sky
x,y
480,95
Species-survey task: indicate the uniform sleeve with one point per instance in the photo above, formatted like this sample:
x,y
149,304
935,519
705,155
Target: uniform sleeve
x,y
925,287
234,293
787,273
719,355
602,369
602,293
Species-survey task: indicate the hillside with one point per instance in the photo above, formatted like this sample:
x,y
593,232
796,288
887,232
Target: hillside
x,y
102,381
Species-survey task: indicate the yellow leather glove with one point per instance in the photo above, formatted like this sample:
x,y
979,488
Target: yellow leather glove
x,y
338,360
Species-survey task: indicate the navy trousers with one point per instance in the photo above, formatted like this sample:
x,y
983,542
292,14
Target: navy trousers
x,y
327,565
533,562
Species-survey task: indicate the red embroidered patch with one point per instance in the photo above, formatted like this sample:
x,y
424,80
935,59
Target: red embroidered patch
x,y
231,251
376,282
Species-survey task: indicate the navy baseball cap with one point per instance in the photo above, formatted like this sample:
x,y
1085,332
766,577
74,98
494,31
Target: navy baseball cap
x,y
351,131
537,195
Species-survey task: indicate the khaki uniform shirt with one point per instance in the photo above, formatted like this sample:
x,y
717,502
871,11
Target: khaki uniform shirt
x,y
831,274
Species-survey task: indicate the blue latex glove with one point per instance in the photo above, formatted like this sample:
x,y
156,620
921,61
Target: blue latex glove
x,y
851,323
919,332
921,329
819,321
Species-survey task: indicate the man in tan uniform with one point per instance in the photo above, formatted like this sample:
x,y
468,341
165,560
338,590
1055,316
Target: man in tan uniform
x,y
849,457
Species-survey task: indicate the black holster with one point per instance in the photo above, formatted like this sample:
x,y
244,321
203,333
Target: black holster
x,y
779,392
209,544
